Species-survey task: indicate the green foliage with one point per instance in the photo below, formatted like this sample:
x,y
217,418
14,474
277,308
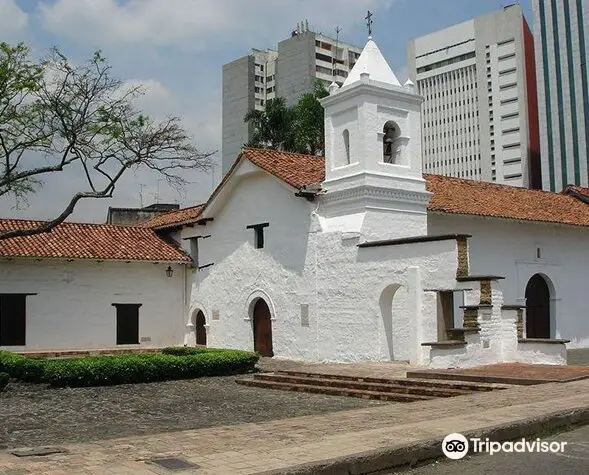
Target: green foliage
x,y
20,79
122,369
4,377
272,126
19,367
188,350
294,129
308,122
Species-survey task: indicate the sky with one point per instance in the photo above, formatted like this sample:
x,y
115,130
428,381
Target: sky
x,y
176,50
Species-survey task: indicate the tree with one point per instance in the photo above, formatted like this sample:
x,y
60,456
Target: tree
x,y
272,126
293,129
56,116
309,127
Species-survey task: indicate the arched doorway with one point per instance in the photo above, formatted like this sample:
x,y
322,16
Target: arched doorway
x,y
201,331
262,324
392,302
537,308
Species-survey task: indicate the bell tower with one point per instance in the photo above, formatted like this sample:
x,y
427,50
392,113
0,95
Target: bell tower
x,y
373,164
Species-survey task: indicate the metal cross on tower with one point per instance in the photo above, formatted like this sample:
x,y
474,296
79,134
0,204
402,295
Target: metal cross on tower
x,y
369,22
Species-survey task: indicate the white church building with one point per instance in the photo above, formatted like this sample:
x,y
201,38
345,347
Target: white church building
x,y
360,256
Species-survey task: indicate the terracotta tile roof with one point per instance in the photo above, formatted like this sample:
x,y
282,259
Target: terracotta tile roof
x,y
89,241
173,218
295,169
460,196
450,195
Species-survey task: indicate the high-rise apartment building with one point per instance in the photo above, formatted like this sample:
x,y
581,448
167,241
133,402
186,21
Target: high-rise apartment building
x,y
480,118
561,33
292,70
248,82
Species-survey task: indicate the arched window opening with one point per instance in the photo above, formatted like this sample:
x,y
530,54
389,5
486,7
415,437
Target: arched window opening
x,y
346,135
390,143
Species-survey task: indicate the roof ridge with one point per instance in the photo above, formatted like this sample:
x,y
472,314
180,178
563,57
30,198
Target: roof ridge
x,y
83,223
155,222
488,183
273,150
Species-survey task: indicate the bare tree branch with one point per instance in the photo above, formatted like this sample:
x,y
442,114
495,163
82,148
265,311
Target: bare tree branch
x,y
80,116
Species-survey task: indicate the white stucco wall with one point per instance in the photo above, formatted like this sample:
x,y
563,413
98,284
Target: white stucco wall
x,y
72,306
240,272
301,265
354,321
507,248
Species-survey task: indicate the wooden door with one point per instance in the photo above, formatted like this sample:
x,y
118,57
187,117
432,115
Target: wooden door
x,y
537,308
201,331
262,329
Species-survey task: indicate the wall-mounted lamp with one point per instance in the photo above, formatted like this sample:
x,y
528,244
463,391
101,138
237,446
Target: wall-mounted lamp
x,y
169,271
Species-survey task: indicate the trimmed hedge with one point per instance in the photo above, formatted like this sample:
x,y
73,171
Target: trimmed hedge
x,y
3,380
121,369
21,368
189,350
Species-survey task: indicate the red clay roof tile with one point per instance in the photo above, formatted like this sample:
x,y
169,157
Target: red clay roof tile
x,y
89,241
173,218
295,169
460,196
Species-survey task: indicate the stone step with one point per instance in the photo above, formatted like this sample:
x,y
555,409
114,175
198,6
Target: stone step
x,y
409,381
505,381
316,389
380,387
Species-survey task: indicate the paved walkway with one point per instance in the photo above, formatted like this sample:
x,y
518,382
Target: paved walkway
x,y
254,448
517,372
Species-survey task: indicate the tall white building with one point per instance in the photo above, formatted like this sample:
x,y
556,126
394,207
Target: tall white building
x,y
480,109
292,70
561,36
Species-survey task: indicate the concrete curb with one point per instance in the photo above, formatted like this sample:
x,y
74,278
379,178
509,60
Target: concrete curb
x,y
376,461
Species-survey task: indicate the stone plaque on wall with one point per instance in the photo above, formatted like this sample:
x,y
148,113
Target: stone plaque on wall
x,y
216,315
304,314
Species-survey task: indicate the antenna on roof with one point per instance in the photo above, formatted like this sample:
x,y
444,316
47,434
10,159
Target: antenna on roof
x,y
333,56
141,185
157,191
213,177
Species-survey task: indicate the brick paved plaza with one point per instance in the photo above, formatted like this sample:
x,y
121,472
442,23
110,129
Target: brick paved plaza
x,y
273,445
31,415
222,427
